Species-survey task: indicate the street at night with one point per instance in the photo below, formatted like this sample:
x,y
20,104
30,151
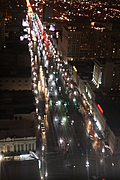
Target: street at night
x,y
59,84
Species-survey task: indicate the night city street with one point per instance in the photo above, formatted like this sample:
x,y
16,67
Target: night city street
x,y
59,84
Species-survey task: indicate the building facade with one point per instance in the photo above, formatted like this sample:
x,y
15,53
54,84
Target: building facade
x,y
104,70
15,83
2,31
75,43
17,145
92,94
17,136
105,41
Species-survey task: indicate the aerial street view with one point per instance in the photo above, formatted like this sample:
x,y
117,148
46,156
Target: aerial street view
x,y
59,90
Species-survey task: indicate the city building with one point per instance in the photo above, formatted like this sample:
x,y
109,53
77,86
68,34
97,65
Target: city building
x,y
75,43
20,169
15,65
107,69
17,106
101,99
17,130
47,14
98,40
3,6
105,40
17,137
2,31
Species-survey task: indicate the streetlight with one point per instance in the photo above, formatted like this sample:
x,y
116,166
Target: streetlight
x,y
43,162
0,157
103,151
61,141
0,165
46,174
87,166
43,148
113,169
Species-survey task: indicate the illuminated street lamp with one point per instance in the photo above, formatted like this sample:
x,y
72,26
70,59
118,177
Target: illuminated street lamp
x,y
87,166
0,157
87,163
96,135
0,164
43,148
75,93
61,141
56,119
64,119
103,151
46,174
89,122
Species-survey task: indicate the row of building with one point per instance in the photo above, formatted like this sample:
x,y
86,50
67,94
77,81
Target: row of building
x,y
99,85
17,109
89,40
93,48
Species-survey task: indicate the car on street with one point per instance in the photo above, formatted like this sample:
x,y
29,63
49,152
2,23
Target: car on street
x,y
43,131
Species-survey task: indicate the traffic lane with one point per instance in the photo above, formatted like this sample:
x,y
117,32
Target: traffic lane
x,y
63,91
64,97
84,140
72,109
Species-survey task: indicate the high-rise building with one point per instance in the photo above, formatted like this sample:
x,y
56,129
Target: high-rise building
x,y
101,42
105,41
47,14
75,42
3,5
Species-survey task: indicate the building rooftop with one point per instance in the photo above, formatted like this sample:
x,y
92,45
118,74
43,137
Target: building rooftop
x,y
20,170
16,73
84,68
16,129
16,102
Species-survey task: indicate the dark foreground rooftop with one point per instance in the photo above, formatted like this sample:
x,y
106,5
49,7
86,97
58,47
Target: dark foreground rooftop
x,y
20,170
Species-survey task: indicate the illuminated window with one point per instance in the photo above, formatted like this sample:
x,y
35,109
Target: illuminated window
x,y
74,27
69,27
